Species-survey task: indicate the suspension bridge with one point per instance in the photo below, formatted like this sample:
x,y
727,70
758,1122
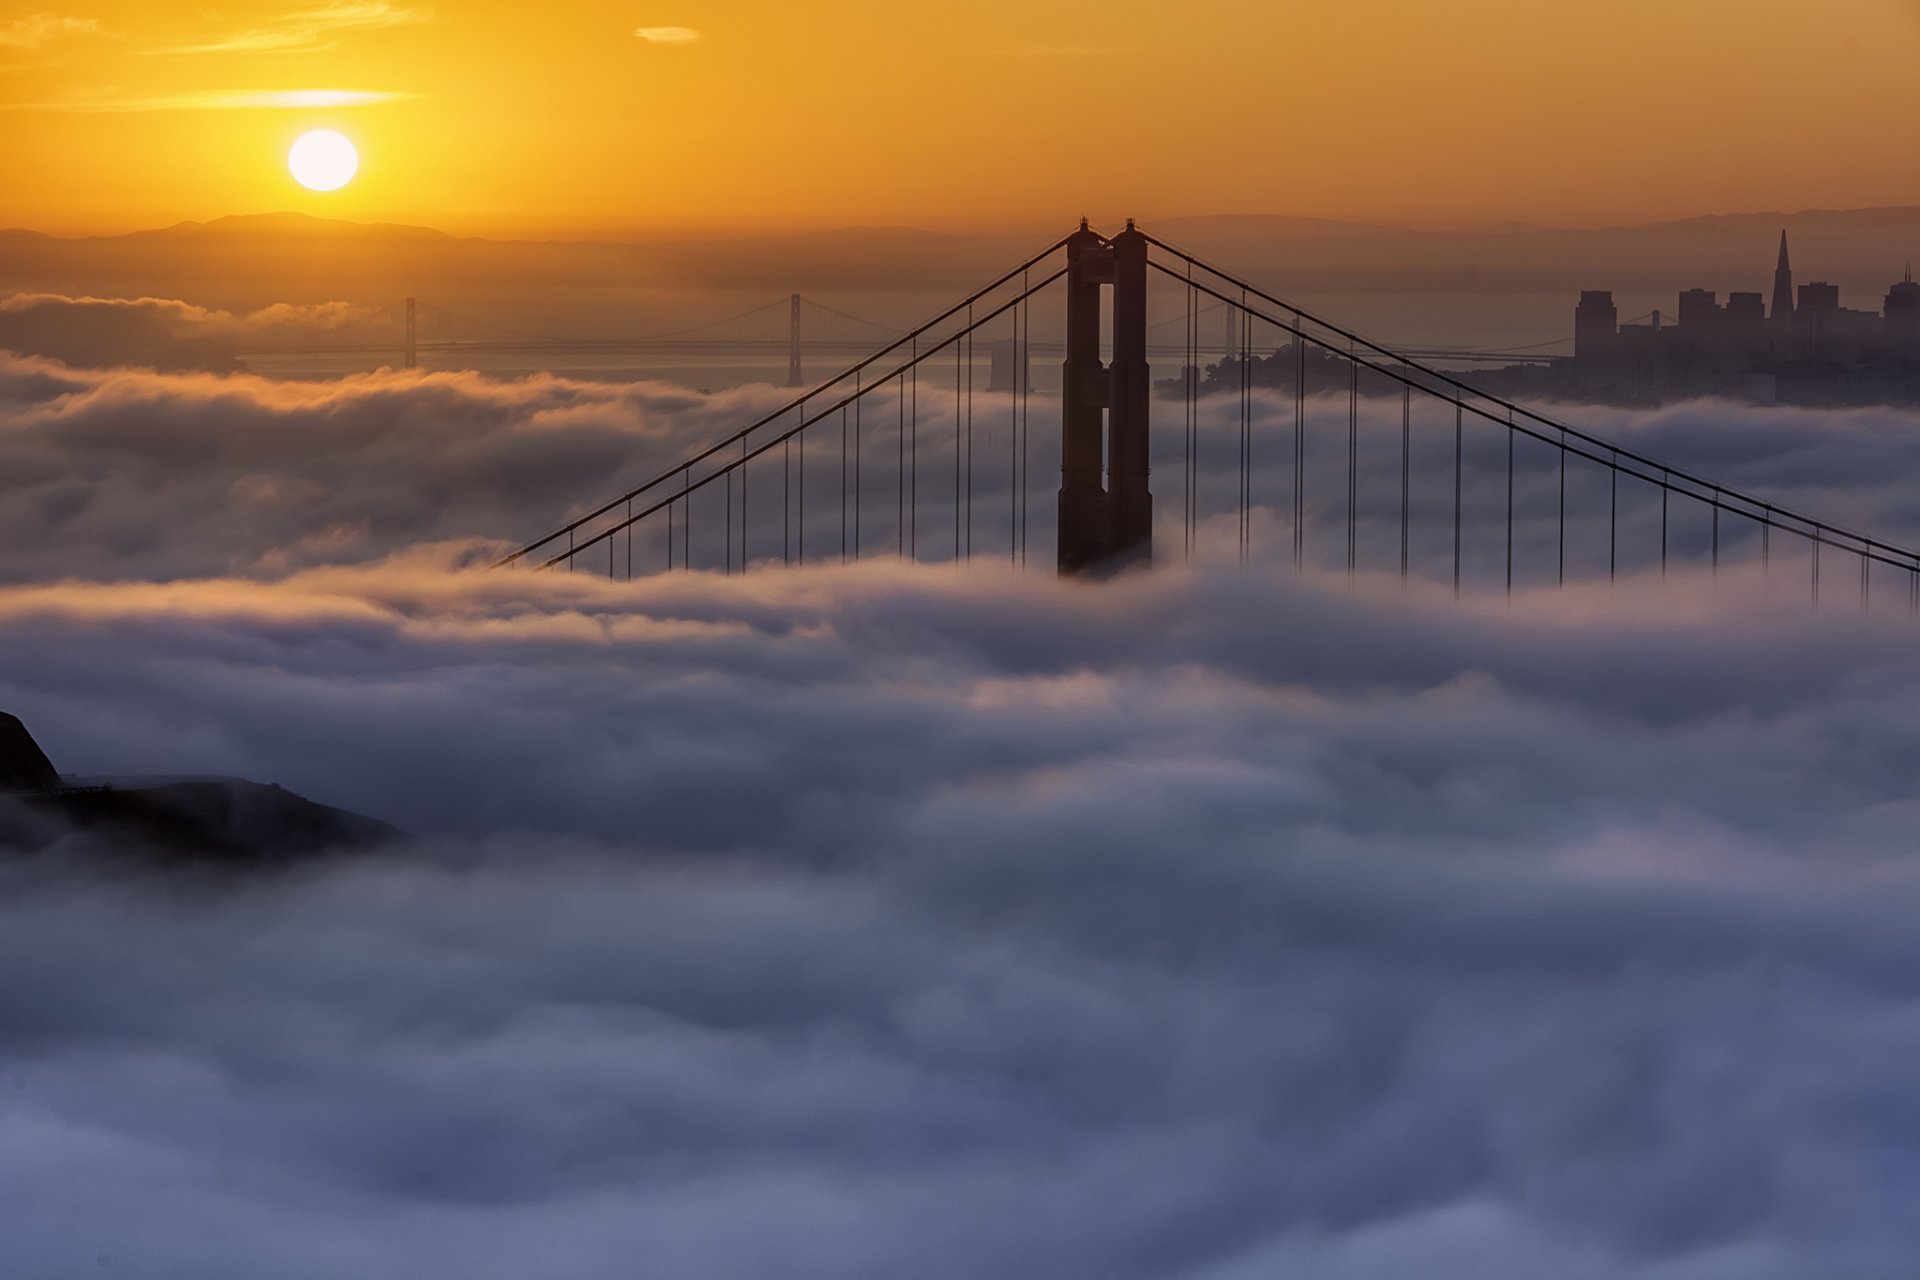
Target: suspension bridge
x,y
1331,449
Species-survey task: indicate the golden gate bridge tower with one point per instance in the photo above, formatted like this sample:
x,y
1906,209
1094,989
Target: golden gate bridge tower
x,y
1104,407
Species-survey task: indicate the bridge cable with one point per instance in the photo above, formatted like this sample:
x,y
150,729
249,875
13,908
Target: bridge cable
x,y
972,356
1510,502
1664,492
1701,491
1406,470
900,480
1458,413
1026,412
749,451
798,402
726,472
1716,535
1246,418
1353,464
1299,438
913,463
959,354
1012,446
1187,423
1563,509
859,443
1613,522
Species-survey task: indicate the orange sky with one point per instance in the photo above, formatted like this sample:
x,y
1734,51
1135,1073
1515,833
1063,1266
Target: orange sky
x,y
516,118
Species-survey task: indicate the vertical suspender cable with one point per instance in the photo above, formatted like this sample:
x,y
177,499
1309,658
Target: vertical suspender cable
x,y
900,479
913,456
1012,451
843,475
1353,459
1715,561
1666,490
1026,424
1246,430
1509,502
1299,443
1406,470
1613,514
959,348
1457,415
1563,508
970,357
1187,423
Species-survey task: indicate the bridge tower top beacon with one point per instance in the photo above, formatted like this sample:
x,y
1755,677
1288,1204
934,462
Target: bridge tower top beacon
x,y
1106,509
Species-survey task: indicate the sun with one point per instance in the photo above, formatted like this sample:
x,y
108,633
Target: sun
x,y
323,160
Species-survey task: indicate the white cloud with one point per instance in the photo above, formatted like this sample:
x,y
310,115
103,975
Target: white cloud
x,y
1328,932
1212,922
305,30
217,100
667,35
37,30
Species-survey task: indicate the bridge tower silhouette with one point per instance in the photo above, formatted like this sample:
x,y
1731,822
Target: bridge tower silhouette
x,y
1106,510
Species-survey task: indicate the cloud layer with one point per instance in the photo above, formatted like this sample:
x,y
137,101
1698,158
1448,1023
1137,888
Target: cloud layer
x,y
846,921
883,919
125,473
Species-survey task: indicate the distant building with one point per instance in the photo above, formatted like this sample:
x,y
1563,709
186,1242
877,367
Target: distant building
x,y
1782,314
1903,316
1808,348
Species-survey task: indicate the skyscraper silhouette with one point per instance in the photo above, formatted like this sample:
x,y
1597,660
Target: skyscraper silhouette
x,y
1782,315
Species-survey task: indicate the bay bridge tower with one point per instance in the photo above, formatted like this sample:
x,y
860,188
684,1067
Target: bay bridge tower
x,y
1106,510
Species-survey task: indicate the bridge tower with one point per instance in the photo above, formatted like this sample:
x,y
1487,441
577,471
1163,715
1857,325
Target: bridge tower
x,y
793,341
1106,509
412,356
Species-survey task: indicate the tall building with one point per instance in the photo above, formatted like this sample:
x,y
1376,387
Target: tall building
x,y
1903,316
1700,312
1596,324
1782,314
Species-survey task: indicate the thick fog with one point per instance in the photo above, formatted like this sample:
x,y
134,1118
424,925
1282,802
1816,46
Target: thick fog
x,y
949,921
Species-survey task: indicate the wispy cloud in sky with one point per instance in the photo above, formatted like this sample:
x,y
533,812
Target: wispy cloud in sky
x,y
37,30
667,35
1066,51
219,100
304,30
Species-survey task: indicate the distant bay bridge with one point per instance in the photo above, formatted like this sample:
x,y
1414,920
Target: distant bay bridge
x,y
794,326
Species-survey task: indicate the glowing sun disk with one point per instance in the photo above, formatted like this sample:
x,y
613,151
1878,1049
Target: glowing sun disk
x,y
323,160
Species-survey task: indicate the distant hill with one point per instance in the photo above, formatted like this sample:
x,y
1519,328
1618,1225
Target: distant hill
x,y
281,226
896,274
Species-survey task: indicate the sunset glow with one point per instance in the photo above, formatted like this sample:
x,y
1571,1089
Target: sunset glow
x,y
510,121
323,160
